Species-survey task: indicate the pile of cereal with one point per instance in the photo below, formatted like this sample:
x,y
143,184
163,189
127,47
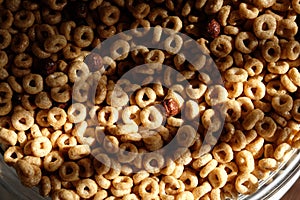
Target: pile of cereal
x,y
74,146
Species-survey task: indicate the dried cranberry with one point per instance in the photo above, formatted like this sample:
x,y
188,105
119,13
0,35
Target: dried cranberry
x,y
171,107
47,66
94,61
79,9
212,29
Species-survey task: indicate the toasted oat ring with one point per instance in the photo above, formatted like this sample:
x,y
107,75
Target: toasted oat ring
x,y
149,158
22,120
151,117
69,171
57,117
83,36
33,83
24,19
260,22
5,38
41,146
6,18
55,43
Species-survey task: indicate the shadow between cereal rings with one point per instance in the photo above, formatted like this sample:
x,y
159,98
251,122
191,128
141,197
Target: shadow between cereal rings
x,y
117,48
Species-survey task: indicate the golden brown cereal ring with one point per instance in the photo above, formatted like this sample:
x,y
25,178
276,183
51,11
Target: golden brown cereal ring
x,y
234,89
280,67
151,117
122,183
250,188
83,36
238,141
51,17
266,127
213,6
57,117
111,144
148,160
287,83
271,51
119,50
253,66
246,42
140,10
108,115
296,5
55,43
223,153
64,194
19,43
56,79
86,168
264,20
53,161
148,188
22,120
6,38
201,190
41,146
268,164
190,179
245,161
79,151
43,101
6,92
281,151
24,19
248,11
12,155
217,177
86,188
6,18
215,94
157,15
76,113
109,15
169,185
127,153
32,83
295,111
29,175
173,38
3,59
223,42
45,186
186,136
78,71
257,86
69,171
210,120
236,74
101,163
282,103
172,22
264,4
62,94
56,5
